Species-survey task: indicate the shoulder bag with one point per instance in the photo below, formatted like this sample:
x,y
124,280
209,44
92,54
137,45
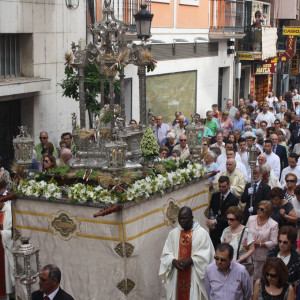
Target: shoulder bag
x,y
248,265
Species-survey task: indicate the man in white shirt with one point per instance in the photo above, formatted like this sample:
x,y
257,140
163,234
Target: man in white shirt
x,y
272,159
161,130
292,168
231,109
179,128
228,146
244,154
265,115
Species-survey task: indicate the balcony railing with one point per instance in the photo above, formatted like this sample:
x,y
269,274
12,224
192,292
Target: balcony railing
x,y
227,16
125,9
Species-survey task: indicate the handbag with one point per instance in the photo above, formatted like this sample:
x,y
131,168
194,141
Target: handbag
x,y
248,265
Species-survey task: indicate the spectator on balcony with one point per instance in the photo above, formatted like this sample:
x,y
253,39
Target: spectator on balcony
x,y
257,24
258,19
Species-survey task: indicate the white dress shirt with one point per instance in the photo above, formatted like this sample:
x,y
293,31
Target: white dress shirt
x,y
223,157
273,161
268,117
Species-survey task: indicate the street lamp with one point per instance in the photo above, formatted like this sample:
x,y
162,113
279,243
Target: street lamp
x,y
143,19
27,264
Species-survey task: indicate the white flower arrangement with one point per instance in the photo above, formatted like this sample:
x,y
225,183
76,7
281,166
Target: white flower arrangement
x,y
39,189
143,188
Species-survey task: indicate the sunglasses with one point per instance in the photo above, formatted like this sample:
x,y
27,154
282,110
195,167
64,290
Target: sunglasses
x,y
46,161
271,275
283,242
231,219
261,209
182,140
204,144
181,121
217,258
276,123
43,137
287,181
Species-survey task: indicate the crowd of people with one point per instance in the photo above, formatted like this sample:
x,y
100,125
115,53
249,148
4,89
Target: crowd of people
x,y
250,246
260,220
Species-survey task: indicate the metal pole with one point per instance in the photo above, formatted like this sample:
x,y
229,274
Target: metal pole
x,y
111,99
102,79
252,184
142,91
28,290
122,97
81,97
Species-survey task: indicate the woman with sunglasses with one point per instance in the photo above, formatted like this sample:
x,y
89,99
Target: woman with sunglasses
x,y
289,192
225,123
49,162
265,233
283,211
233,233
285,250
273,284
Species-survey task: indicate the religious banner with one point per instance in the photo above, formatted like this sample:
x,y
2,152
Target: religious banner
x,y
290,48
261,87
252,84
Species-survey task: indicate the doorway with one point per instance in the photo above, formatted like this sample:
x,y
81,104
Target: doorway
x,y
10,120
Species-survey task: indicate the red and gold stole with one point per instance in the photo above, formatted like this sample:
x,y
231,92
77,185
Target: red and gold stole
x,y
2,261
184,276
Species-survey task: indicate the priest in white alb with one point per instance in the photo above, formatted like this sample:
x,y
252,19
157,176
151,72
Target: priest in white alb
x,y
187,251
7,280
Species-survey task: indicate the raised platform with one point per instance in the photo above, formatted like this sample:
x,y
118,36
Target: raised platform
x,y
111,257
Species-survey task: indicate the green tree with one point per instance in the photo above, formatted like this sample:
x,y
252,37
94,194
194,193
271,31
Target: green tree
x,y
92,88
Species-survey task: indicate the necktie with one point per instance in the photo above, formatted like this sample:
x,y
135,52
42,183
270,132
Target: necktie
x,y
46,298
255,187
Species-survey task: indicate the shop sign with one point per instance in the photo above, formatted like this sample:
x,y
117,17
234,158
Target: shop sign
x,y
265,68
291,30
249,56
294,64
290,48
246,56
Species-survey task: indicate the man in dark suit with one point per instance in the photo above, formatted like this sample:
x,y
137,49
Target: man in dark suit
x,y
295,125
295,133
219,203
49,285
260,191
279,151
